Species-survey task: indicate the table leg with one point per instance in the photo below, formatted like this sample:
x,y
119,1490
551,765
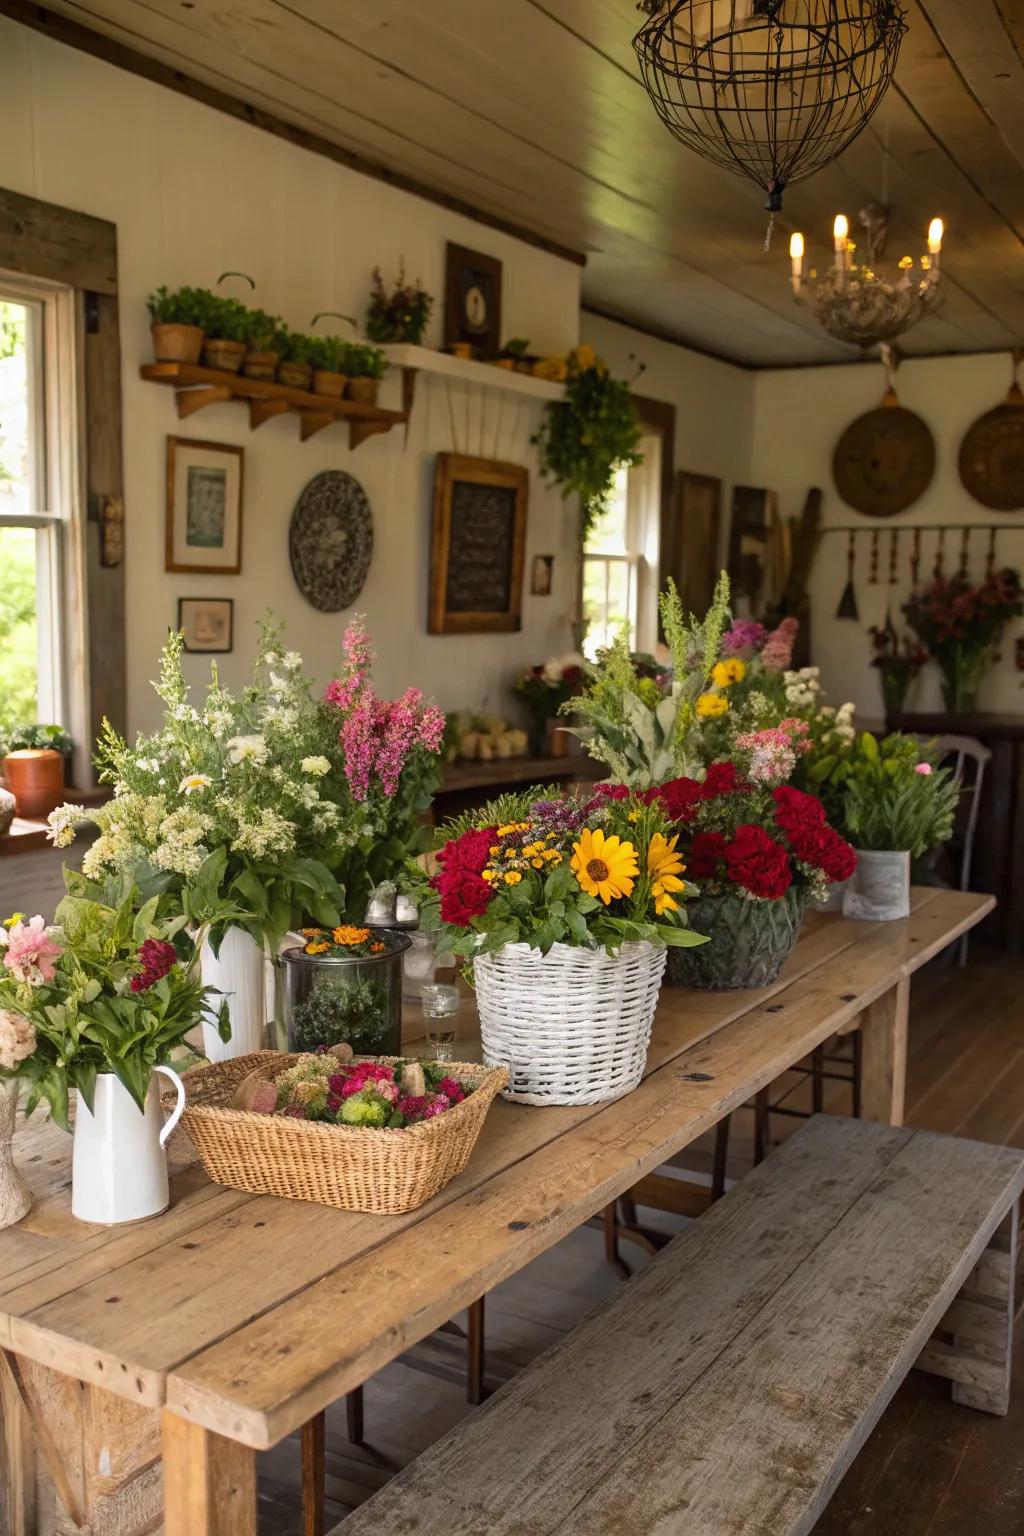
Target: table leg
x,y
883,1026
17,1459
209,1482
313,1474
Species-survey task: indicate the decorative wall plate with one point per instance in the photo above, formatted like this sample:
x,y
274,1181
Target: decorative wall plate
x,y
885,460
330,540
992,456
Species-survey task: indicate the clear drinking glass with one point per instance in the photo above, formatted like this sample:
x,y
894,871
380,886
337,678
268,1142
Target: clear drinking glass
x,y
440,1010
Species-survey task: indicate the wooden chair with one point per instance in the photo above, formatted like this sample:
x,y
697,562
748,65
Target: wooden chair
x,y
968,759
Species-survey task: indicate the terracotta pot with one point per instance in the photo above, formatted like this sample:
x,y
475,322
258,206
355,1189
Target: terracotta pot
x,y
363,390
177,343
295,375
35,777
260,365
327,383
225,355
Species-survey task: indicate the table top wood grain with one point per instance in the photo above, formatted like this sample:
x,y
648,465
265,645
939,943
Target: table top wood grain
x,y
248,1314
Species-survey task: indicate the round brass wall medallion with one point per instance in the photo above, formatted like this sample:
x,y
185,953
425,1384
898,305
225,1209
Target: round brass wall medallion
x,y
884,461
992,456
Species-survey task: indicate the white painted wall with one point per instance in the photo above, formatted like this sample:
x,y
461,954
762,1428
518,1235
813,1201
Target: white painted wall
x,y
799,416
194,192
714,401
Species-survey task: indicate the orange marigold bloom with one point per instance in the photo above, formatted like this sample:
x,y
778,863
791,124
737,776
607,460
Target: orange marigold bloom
x,y
347,934
311,933
317,948
378,948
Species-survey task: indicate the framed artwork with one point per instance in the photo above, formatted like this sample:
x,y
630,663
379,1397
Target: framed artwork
x,y
204,507
472,314
207,623
695,532
477,546
542,572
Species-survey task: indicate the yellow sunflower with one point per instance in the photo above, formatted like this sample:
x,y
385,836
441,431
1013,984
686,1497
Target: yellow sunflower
x,y
604,866
725,673
664,865
710,705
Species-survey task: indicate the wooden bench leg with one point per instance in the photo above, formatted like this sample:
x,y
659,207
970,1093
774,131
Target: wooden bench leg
x,y
721,1158
883,1056
314,1474
475,1353
354,1415
974,1345
209,1482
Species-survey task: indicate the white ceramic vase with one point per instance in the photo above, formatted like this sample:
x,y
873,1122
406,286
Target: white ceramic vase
x,y
118,1164
15,1197
879,891
239,973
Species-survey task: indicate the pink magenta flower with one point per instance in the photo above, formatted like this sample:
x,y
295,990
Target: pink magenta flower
x,y
155,958
31,953
377,736
924,768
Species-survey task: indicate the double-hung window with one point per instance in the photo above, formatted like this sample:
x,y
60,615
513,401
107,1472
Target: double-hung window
x,y
620,558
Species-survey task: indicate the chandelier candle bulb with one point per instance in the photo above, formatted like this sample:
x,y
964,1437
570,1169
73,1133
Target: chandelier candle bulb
x,y
796,257
936,230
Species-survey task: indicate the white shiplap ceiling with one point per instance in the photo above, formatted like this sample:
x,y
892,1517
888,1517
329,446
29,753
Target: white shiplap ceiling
x,y
532,111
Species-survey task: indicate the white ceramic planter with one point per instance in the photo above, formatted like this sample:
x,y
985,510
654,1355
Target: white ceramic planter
x,y
118,1163
239,972
879,891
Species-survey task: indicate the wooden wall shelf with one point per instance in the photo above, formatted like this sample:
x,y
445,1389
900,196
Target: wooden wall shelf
x,y
195,388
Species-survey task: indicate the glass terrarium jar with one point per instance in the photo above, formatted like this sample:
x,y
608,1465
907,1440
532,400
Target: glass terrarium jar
x,y
353,998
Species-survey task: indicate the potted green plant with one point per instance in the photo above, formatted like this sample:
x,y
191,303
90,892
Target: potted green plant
x,y
400,314
34,764
227,334
962,624
264,343
179,319
514,356
584,438
898,805
364,368
328,357
295,368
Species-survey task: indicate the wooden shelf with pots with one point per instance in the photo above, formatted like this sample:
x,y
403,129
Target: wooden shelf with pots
x,y
195,388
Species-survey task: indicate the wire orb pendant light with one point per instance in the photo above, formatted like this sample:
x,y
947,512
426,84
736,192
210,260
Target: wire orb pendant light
x,y
770,89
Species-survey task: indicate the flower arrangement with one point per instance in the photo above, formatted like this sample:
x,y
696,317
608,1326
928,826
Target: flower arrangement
x,y
898,661
646,729
896,798
584,438
110,988
385,1095
543,871
345,940
544,689
398,314
961,624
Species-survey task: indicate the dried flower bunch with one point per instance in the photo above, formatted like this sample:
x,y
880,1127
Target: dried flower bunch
x,y
399,313
330,1087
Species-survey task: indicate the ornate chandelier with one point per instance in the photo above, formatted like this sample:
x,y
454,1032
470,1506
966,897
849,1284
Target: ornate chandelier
x,y
856,304
770,89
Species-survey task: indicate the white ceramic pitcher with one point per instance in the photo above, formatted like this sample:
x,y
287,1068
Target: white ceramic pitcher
x,y
239,973
118,1165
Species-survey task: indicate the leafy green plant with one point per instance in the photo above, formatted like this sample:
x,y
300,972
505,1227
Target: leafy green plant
x,y
400,314
363,362
342,1009
895,797
263,332
297,348
182,306
584,438
329,353
18,737
227,320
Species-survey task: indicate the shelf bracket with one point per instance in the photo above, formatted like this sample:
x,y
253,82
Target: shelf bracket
x,y
408,396
359,431
314,421
265,410
192,400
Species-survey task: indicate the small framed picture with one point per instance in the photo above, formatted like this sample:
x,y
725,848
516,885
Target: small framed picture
x,y
477,546
542,575
207,624
472,314
204,507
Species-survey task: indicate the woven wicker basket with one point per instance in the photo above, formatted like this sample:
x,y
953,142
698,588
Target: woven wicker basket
x,y
353,1168
571,1026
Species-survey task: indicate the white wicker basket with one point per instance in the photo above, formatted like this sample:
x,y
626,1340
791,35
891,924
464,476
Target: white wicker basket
x,y
571,1026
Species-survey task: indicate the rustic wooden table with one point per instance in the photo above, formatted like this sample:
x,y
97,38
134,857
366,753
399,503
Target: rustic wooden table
x,y
213,1331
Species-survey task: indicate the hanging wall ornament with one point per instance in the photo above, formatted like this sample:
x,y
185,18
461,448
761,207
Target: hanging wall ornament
x,y
885,460
331,540
992,452
770,89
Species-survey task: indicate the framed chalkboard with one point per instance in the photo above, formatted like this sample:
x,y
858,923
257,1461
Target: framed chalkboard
x,y
477,546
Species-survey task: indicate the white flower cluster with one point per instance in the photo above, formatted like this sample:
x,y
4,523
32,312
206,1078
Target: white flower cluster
x,y
555,667
802,688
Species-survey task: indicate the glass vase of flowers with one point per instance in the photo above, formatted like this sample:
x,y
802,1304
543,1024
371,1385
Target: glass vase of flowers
x,y
961,624
99,1003
898,661
345,985
544,689
564,910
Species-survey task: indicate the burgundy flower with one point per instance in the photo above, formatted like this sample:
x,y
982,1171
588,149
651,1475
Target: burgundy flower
x,y
681,797
705,855
721,779
155,958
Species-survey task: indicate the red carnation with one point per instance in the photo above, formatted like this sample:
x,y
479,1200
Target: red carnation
x,y
721,779
758,863
794,809
463,897
706,853
468,853
610,791
680,797
824,849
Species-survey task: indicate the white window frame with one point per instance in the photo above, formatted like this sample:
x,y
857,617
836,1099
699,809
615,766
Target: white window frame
x,y
57,497
643,530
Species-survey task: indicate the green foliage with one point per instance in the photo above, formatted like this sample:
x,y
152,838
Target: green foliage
x,y
15,737
895,797
18,663
297,348
328,353
183,306
12,330
228,320
362,362
342,1009
586,437
398,315
264,333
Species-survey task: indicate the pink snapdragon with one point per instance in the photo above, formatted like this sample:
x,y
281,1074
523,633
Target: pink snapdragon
x,y
31,952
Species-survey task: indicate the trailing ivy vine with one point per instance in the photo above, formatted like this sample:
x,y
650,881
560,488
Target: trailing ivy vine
x,y
584,439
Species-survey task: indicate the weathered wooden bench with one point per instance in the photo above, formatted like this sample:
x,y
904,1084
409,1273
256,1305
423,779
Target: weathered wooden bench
x,y
730,1385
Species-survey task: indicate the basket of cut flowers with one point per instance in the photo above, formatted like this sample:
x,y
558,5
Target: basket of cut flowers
x,y
374,1134
564,909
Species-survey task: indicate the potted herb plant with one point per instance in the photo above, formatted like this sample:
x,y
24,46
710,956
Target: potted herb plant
x,y
961,624
328,356
898,805
295,368
364,368
345,984
227,334
179,320
34,760
99,1002
264,342
586,437
399,314
564,909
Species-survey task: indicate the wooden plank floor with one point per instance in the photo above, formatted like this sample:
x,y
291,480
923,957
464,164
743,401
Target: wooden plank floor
x,y
930,1469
